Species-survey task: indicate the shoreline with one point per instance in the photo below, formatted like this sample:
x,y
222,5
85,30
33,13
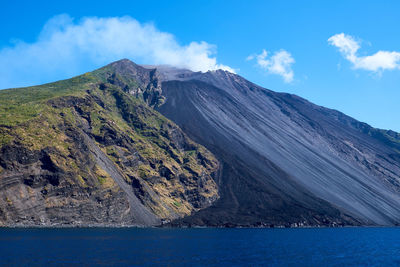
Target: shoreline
x,y
105,226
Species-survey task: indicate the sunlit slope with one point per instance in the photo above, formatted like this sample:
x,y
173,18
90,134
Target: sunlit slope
x,y
90,151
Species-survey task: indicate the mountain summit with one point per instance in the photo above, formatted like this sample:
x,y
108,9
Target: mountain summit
x,y
144,145
91,151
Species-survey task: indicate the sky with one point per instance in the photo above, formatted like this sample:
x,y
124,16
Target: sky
x,y
343,55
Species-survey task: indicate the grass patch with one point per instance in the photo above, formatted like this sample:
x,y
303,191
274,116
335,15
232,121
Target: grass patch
x,y
22,104
177,204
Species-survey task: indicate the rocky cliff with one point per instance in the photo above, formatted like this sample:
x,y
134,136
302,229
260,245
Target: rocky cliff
x,y
95,150
91,151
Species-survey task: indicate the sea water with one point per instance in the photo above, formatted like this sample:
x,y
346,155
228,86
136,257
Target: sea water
x,y
199,247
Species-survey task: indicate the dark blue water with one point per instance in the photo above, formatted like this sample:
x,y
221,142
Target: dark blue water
x,y
200,247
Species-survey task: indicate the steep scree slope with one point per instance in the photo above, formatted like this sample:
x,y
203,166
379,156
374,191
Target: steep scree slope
x,y
285,160
92,150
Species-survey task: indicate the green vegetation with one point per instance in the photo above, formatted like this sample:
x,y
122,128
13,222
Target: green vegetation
x,y
177,204
21,104
139,140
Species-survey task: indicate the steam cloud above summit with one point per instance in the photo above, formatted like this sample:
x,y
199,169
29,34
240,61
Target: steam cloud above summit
x,y
65,47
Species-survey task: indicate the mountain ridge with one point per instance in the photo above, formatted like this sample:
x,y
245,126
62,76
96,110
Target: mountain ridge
x,y
275,159
84,151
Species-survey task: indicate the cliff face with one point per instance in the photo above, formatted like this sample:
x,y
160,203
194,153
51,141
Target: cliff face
x,y
90,151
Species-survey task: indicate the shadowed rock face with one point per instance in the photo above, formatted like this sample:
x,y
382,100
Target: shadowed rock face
x,y
285,160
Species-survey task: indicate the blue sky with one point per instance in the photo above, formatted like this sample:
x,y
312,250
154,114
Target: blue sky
x,y
356,72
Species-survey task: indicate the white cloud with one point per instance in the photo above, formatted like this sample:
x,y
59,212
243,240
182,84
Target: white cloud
x,y
279,63
378,62
65,47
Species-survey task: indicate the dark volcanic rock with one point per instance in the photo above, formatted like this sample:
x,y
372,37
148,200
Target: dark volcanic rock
x,y
93,150
285,160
